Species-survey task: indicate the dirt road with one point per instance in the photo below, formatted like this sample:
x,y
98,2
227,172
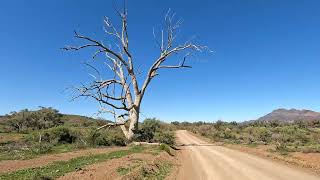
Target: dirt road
x,y
201,160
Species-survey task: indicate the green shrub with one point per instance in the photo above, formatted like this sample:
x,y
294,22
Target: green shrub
x,y
43,147
148,130
119,140
94,137
26,120
62,135
282,148
227,133
106,138
166,148
262,134
315,148
166,137
43,141
218,125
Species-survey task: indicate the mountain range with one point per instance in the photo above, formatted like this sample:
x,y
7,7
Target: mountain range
x,y
290,115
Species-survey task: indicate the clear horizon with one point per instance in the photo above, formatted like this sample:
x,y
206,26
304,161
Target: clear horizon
x,y
266,56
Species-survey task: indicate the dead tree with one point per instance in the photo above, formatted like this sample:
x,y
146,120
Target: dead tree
x,y
122,94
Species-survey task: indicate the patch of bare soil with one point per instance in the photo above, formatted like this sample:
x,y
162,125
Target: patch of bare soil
x,y
14,165
310,161
108,170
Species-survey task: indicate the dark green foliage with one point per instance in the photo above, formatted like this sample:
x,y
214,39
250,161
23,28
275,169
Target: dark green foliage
x,y
148,130
218,124
27,134
176,123
153,130
166,148
157,171
166,137
106,138
62,135
26,121
32,120
59,139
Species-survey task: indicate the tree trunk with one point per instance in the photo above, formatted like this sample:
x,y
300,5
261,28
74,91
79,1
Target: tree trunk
x,y
134,119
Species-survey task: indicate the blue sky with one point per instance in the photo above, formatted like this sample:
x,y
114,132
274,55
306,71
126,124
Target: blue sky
x,y
267,56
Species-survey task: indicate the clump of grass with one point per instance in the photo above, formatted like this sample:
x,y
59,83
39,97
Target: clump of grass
x,y
311,149
16,151
126,170
60,168
252,145
123,170
282,148
40,177
157,171
166,148
137,149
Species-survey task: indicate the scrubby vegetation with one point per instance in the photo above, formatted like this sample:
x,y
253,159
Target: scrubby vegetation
x,y
26,134
302,136
153,130
60,168
26,120
159,170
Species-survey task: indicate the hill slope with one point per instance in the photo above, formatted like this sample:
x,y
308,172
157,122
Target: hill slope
x,y
65,119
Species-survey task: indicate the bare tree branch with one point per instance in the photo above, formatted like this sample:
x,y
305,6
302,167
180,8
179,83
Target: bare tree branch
x,y
114,94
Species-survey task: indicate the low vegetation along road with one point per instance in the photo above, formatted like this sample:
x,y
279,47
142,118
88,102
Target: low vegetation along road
x,y
201,160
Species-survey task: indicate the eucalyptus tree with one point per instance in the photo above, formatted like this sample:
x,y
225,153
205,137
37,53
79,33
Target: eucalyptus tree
x,y
122,94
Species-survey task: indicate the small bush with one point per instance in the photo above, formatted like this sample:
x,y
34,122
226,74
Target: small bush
x,y
106,138
166,148
148,130
282,148
56,135
62,135
44,147
311,149
166,137
118,140
26,120
38,176
94,137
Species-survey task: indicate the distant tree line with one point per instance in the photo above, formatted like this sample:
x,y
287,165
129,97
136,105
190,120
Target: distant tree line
x,y
274,123
300,135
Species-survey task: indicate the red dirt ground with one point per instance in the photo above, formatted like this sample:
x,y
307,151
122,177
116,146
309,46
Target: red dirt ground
x,y
14,165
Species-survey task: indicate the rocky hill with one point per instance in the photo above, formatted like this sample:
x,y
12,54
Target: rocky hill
x,y
290,115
